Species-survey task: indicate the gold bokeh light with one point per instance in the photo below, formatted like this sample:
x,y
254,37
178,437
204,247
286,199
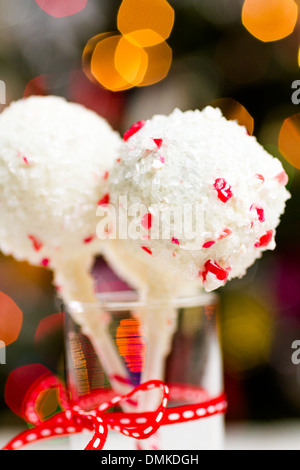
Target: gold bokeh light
x,y
103,65
89,51
145,23
270,20
137,55
159,63
289,140
130,61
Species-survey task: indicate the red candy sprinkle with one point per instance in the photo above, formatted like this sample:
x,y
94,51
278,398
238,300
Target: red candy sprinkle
x,y
282,178
45,262
264,240
260,213
133,129
208,244
104,200
25,159
145,248
226,232
214,268
147,221
175,240
223,189
260,177
37,245
105,175
89,239
158,142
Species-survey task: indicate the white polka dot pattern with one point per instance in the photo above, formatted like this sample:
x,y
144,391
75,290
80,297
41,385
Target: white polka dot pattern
x,y
137,425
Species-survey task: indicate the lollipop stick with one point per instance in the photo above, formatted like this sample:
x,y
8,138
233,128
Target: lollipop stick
x,y
77,284
159,324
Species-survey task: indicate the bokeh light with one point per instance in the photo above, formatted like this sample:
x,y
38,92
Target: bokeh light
x,y
36,86
270,20
88,54
117,64
103,64
90,94
159,63
62,8
145,23
130,61
247,332
234,111
11,319
289,140
20,384
48,326
138,56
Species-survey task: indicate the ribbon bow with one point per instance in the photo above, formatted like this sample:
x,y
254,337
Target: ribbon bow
x,y
137,425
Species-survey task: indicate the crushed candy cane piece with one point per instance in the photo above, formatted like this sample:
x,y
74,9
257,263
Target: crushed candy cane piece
x,y
264,240
45,262
133,129
226,232
37,245
223,189
260,213
175,241
260,177
105,200
145,248
158,142
208,244
214,268
147,221
89,239
25,159
282,178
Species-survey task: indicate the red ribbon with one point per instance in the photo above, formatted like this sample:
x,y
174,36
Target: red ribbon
x,y
137,425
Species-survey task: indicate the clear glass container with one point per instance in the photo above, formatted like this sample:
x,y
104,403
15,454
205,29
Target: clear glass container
x,y
111,360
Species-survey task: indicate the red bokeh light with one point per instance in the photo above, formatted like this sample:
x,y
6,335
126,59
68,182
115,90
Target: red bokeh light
x,y
20,383
61,8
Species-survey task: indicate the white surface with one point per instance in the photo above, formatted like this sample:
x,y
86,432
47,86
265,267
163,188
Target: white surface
x,y
282,435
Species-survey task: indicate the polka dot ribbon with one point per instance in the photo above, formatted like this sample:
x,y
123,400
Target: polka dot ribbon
x,y
99,421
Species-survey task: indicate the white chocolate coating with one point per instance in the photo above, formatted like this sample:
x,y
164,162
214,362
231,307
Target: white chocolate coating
x,y
199,159
54,162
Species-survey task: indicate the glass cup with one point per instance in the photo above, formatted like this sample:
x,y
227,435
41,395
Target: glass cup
x,y
112,359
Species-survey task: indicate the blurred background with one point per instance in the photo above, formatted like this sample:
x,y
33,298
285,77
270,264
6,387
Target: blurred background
x,y
240,55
